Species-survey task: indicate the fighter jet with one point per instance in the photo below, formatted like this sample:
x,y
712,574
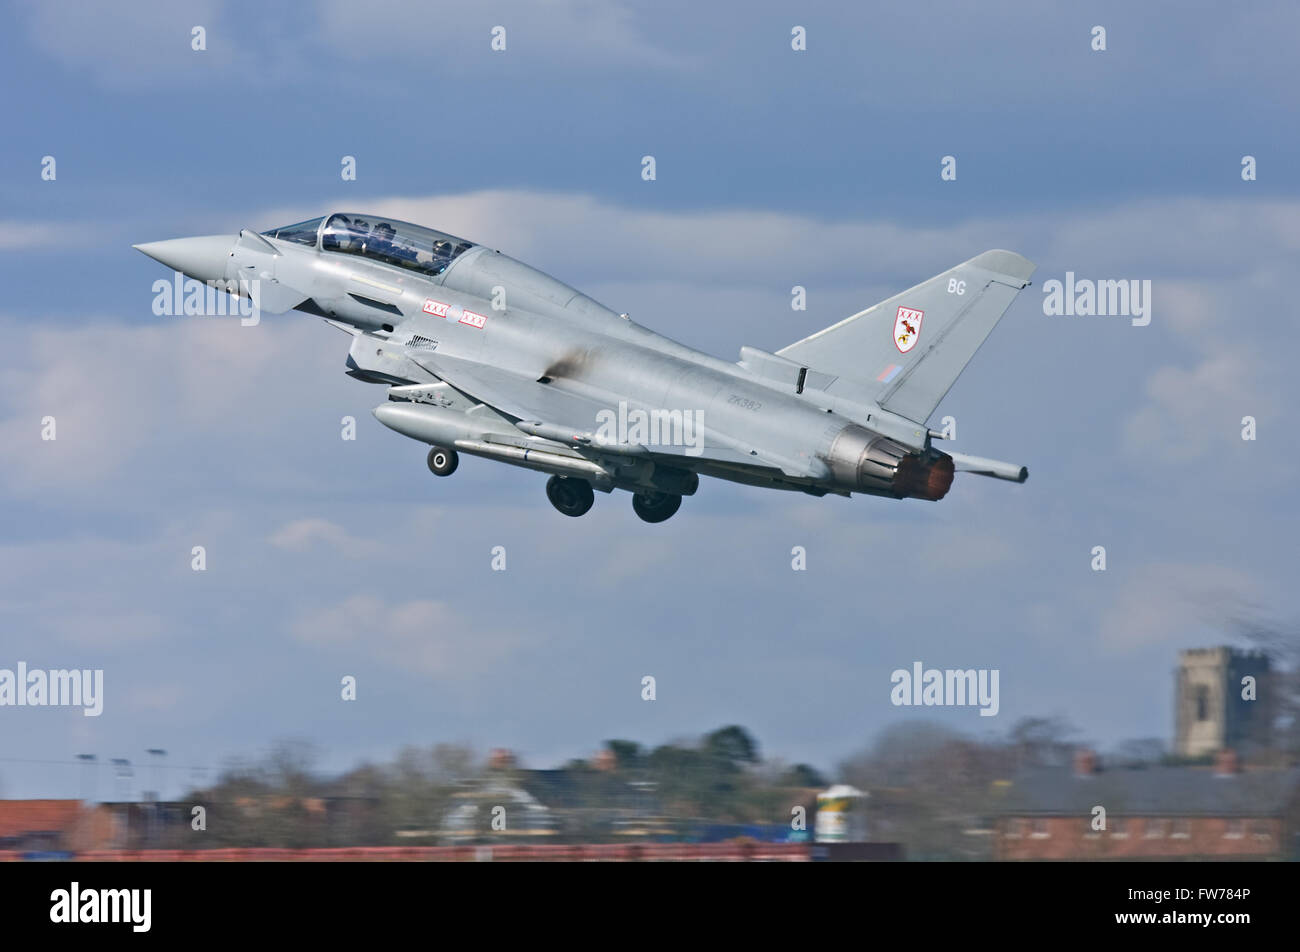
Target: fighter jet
x,y
487,356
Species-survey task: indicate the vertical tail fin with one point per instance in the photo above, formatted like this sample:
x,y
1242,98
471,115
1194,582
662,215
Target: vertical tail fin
x,y
905,353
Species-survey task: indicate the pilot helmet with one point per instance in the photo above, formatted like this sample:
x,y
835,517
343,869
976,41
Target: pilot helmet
x,y
338,233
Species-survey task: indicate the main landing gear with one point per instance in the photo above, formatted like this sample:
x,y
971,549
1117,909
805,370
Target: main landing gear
x,y
655,507
574,496
570,495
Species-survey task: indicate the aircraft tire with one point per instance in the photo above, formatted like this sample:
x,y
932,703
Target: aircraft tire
x,y
655,507
443,462
571,496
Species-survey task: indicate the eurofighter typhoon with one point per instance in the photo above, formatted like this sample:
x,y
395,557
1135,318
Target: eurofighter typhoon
x,y
487,356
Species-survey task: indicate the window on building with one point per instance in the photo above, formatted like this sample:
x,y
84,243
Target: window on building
x,y
1156,829
1202,702
1181,828
1235,829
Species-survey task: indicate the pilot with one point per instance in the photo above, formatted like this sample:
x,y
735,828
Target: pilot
x,y
386,243
433,266
360,235
338,234
381,239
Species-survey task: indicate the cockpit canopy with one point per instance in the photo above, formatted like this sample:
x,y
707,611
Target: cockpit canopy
x,y
393,242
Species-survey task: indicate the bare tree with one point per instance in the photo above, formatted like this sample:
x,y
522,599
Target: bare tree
x,y
1281,641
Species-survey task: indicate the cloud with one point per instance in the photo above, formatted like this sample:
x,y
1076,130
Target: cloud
x,y
562,34
124,45
741,61
172,433
719,278
102,628
303,535
1191,411
1175,604
132,45
716,278
421,635
1173,239
155,698
24,236
112,388
714,247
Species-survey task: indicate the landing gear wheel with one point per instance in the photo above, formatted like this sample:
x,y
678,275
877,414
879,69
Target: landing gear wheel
x,y
571,496
655,507
443,462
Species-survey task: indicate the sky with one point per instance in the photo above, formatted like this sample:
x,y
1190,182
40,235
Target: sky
x,y
820,168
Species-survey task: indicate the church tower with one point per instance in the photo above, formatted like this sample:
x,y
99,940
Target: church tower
x,y
1216,706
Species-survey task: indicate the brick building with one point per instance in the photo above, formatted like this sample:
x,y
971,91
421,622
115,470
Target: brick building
x,y
1151,812
29,826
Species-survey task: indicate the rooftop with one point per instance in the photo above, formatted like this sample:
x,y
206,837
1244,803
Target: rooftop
x,y
1151,791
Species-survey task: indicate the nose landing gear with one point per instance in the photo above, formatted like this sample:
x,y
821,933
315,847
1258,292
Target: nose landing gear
x,y
443,462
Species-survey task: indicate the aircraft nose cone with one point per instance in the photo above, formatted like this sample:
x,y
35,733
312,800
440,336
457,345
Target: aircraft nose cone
x,y
203,258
